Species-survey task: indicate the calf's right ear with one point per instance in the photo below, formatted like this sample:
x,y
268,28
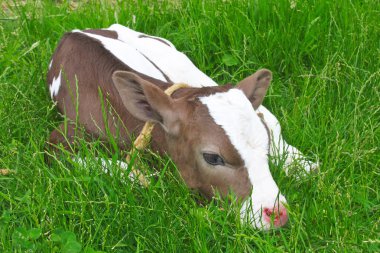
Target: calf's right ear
x,y
255,86
145,101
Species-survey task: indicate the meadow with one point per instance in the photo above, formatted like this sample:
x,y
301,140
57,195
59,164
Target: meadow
x,y
325,58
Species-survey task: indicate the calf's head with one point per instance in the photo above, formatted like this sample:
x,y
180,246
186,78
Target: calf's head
x,y
216,139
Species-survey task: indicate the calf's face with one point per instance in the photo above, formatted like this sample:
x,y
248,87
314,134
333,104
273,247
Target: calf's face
x,y
216,139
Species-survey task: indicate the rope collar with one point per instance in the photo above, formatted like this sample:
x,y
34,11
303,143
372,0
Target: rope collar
x,y
143,139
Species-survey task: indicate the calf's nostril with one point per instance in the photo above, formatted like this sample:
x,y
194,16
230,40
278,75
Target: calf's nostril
x,y
267,212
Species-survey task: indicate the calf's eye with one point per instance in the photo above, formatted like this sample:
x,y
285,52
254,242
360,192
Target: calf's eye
x,y
213,159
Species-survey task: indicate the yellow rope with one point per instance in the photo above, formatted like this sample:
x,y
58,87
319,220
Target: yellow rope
x,y
6,172
146,133
169,91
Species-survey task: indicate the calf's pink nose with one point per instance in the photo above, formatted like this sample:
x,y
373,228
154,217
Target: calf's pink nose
x,y
277,215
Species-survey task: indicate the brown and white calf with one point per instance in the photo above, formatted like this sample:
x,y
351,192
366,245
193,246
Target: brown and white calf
x,y
213,133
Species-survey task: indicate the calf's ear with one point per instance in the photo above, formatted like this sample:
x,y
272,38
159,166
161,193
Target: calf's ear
x,y
145,101
255,86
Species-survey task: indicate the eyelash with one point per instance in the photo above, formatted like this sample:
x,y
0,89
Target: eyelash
x,y
213,159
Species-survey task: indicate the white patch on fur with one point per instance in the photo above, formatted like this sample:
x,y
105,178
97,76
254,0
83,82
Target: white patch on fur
x,y
54,86
171,62
50,64
128,55
126,34
235,114
280,150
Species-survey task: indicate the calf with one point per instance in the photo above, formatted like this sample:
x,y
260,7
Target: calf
x,y
213,133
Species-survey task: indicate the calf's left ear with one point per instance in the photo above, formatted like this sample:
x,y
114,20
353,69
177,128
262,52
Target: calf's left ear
x,y
255,86
145,101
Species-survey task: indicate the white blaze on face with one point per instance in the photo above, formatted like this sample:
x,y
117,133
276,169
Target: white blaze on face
x,y
54,86
234,113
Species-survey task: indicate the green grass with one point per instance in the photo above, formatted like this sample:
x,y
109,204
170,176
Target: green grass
x,y
325,56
